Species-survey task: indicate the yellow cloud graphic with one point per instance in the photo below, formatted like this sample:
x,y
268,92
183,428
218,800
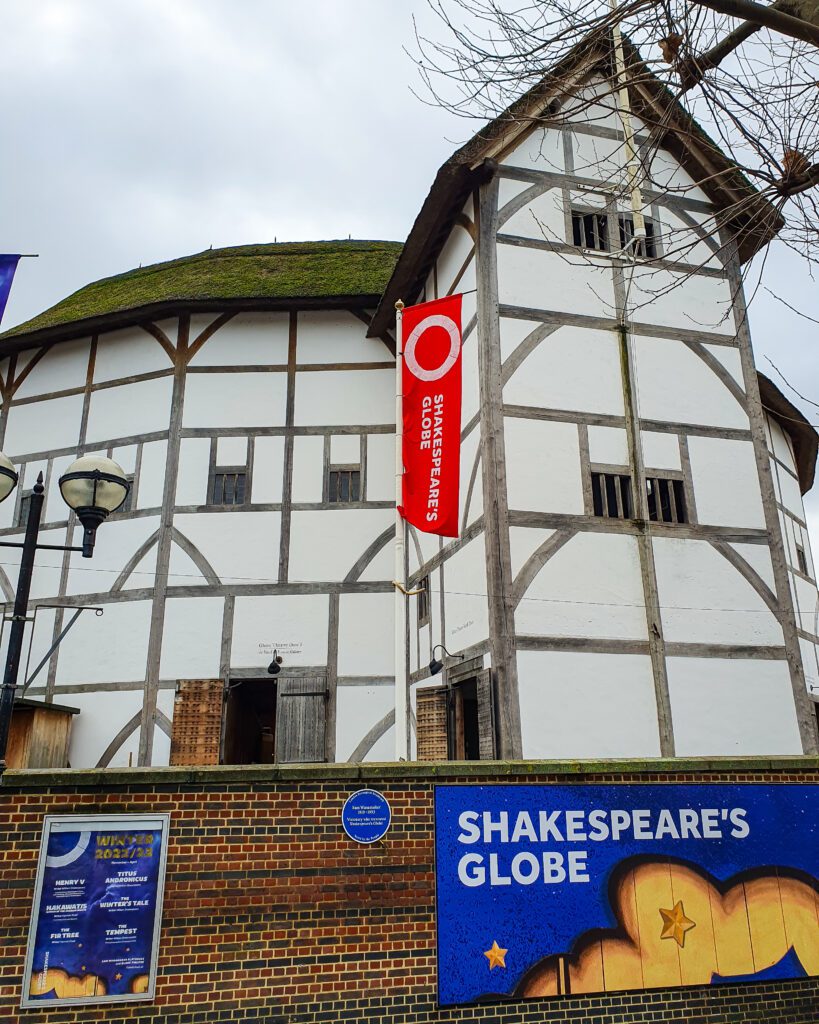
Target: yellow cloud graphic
x,y
65,985
746,929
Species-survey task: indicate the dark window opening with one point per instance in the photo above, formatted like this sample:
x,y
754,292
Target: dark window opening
x,y
611,495
590,230
802,560
423,601
229,487
464,731
250,722
25,505
666,500
647,248
344,485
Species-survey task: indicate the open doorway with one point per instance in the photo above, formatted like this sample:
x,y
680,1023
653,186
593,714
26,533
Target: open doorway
x,y
250,722
464,730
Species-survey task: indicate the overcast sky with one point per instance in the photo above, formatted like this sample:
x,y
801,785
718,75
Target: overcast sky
x,y
136,131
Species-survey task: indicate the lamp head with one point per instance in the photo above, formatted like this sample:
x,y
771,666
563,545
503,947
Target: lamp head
x,y
275,665
435,665
8,476
93,487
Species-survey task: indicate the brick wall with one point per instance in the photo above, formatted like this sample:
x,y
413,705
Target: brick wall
x,y
273,915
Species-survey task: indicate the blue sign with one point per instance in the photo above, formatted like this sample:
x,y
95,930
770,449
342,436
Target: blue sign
x,y
366,816
548,890
97,910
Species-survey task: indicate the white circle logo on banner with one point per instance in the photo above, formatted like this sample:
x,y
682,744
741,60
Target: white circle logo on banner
x,y
415,368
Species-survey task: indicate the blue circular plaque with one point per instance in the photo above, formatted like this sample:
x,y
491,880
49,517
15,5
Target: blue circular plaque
x,y
366,816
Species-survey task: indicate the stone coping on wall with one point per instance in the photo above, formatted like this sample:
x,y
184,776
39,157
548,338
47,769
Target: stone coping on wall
x,y
210,775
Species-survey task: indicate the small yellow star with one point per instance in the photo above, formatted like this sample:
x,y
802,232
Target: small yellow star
x,y
495,956
676,924
117,976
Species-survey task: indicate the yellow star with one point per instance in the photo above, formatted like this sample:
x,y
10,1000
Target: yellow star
x,y
676,924
117,976
495,956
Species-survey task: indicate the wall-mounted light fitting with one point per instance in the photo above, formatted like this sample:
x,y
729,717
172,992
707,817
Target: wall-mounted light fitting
x,y
435,665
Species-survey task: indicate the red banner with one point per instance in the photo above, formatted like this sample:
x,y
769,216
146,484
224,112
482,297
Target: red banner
x,y
432,415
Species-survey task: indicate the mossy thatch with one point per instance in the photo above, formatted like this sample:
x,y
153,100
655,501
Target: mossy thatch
x,y
276,271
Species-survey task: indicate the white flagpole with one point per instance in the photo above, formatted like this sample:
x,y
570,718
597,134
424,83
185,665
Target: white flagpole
x,y
399,583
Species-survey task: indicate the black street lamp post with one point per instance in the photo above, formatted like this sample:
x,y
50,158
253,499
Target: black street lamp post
x,y
93,487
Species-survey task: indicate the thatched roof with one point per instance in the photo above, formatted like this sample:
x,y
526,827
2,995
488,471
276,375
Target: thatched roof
x,y
269,276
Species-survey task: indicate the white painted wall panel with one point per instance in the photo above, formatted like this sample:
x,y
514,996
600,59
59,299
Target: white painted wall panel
x,y
366,634
112,647
45,581
541,219
337,337
810,661
117,541
469,453
790,494
268,469
192,475
675,385
359,709
730,359
308,468
62,367
722,707
130,409
101,717
726,484
591,587
470,397
144,572
807,603
380,467
508,188
598,158
758,556
574,368
465,599
295,625
192,638
381,568
43,426
608,445
542,150
345,449
231,451
384,748
543,466
781,443
235,399
183,571
125,457
523,542
249,339
587,705
325,545
240,546
704,599
666,174
660,451
132,350
453,256
152,474
345,396
680,242
681,300
537,279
